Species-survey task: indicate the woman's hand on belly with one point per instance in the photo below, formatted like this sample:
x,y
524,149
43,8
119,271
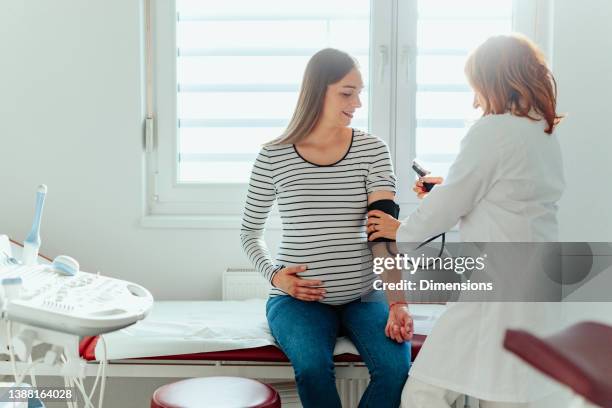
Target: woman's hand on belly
x,y
304,289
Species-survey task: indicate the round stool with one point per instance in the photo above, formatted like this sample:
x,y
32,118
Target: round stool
x,y
217,392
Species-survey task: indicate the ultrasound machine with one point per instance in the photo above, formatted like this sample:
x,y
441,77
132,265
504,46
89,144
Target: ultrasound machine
x,y
50,306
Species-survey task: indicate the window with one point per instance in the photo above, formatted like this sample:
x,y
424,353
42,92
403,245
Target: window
x,y
226,77
434,99
239,69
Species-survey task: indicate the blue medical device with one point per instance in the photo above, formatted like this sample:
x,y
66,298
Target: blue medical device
x,y
31,245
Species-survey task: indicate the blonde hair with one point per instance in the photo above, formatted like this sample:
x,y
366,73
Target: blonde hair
x,y
510,74
326,67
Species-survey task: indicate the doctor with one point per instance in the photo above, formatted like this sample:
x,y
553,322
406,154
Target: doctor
x,y
503,187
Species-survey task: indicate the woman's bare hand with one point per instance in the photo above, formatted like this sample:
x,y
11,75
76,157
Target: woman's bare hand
x,y
420,189
304,289
381,225
400,326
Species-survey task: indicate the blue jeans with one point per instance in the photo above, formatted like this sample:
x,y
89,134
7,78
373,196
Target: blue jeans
x,y
307,332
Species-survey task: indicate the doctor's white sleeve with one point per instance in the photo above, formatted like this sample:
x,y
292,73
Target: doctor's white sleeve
x,y
259,201
469,179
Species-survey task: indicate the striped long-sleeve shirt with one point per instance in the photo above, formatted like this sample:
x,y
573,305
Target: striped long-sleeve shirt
x,y
323,212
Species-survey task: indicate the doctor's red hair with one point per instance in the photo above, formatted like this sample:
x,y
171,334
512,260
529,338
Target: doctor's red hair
x,y
511,75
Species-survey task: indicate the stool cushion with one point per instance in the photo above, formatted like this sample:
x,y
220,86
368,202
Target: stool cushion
x,y
218,392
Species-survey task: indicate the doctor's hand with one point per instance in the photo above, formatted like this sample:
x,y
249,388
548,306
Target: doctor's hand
x,y
304,289
381,225
400,326
420,189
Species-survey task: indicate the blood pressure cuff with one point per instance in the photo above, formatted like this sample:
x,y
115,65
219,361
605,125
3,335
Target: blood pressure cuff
x,y
388,207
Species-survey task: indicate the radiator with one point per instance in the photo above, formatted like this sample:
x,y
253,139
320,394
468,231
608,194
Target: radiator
x,y
244,283
350,391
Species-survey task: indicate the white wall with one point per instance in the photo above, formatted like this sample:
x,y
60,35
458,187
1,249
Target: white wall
x,y
71,117
582,64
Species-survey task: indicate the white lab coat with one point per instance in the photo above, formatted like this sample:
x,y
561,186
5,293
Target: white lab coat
x,y
503,187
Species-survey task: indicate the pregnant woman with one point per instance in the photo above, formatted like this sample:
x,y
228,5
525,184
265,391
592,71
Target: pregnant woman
x,y
323,174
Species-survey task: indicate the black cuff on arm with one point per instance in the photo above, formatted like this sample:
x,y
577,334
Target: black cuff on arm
x,y
388,207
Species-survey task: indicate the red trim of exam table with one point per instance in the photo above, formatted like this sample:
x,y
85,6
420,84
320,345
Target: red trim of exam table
x,y
87,350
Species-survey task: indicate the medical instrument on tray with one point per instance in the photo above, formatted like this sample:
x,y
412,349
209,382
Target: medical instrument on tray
x,y
31,245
